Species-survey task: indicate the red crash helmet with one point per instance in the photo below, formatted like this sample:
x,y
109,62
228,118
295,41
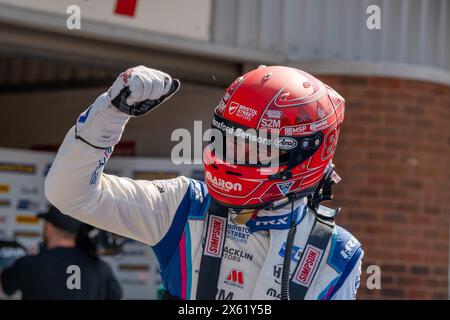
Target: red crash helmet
x,y
291,114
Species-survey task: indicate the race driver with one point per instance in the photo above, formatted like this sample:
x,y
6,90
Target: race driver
x,y
252,230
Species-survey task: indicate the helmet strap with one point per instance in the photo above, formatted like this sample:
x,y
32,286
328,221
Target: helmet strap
x,y
324,191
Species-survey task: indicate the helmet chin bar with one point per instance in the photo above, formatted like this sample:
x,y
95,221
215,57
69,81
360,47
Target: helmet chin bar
x,y
282,175
316,194
322,192
273,205
278,204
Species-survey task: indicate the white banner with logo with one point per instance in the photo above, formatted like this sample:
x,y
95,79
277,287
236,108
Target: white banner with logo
x,y
172,17
22,175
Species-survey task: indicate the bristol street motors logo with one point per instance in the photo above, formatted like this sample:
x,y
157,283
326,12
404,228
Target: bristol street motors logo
x,y
241,111
216,236
238,233
235,278
233,107
308,265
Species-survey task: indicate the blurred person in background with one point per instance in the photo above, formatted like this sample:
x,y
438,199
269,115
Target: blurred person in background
x,y
10,251
51,275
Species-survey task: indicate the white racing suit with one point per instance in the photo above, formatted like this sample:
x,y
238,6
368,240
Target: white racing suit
x,y
171,216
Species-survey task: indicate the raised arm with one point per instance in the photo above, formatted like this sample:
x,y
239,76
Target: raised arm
x,y
141,210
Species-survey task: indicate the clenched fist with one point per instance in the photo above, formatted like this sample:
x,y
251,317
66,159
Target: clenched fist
x,y
135,92
139,90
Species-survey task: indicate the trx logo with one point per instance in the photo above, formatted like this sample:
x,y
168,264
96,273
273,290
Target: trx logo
x,y
273,222
308,265
215,237
268,222
235,278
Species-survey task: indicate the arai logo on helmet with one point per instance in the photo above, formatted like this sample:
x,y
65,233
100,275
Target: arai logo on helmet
x,y
285,143
223,184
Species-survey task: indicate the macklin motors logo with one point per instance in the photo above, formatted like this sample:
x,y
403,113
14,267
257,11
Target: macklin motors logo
x,y
235,278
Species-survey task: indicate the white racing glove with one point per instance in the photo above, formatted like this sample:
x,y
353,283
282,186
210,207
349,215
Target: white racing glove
x,y
135,92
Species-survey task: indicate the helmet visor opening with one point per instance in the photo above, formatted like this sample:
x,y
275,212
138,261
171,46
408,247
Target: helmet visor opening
x,y
239,145
245,146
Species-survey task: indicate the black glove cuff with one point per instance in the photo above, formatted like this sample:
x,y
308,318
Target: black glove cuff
x,y
143,107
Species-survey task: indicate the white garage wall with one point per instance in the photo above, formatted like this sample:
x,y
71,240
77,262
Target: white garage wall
x,y
172,17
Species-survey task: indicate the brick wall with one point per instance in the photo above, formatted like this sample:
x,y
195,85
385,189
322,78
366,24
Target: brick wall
x,y
394,158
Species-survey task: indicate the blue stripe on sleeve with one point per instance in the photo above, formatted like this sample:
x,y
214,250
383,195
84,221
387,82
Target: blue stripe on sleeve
x,y
166,247
348,269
